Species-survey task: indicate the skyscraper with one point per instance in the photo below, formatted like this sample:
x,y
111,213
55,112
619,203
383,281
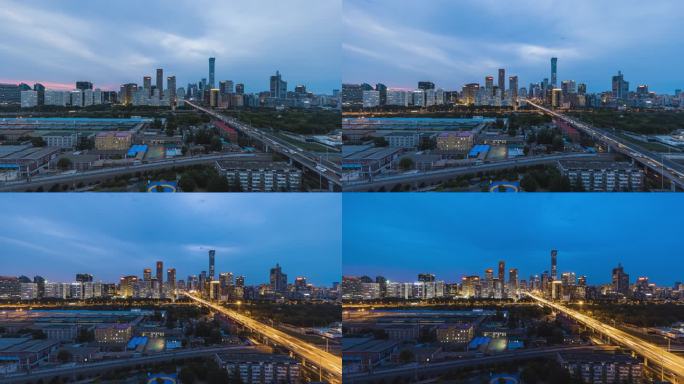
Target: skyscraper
x,y
83,85
513,87
502,80
171,85
620,87
160,81
171,279
278,87
554,270
212,254
147,85
554,72
147,274
212,65
278,280
513,280
620,280
160,274
502,275
84,277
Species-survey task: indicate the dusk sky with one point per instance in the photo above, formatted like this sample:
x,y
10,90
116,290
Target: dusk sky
x,y
111,43
110,235
452,235
456,42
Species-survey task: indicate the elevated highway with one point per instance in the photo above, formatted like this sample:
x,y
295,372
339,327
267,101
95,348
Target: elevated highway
x,y
325,169
659,163
330,364
671,363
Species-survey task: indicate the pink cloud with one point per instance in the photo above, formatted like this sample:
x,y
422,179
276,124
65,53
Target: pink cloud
x,y
56,85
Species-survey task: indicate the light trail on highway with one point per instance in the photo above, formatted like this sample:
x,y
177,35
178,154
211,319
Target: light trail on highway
x,y
325,360
669,361
646,158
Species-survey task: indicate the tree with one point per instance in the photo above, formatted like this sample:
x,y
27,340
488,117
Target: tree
x,y
406,163
218,184
186,376
64,163
406,356
38,142
529,183
380,142
64,356
187,183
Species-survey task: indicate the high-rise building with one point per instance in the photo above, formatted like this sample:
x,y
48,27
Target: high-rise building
x,y
40,89
160,82
620,280
212,254
147,85
488,286
425,85
127,92
240,88
278,87
489,85
171,85
278,280
426,277
554,269
147,274
160,274
83,85
620,87
212,67
84,278
127,285
171,279
513,280
554,72
502,80
513,87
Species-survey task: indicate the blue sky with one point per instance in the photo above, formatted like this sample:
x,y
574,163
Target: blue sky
x,y
457,42
452,235
110,235
115,42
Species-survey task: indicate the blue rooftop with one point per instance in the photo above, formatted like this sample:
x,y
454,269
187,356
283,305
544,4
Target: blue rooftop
x,y
476,150
135,149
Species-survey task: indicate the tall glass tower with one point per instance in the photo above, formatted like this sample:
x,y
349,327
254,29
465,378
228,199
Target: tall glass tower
x,y
212,64
554,72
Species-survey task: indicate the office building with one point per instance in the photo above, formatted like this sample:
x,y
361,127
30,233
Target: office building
x,y
171,92
113,141
371,99
29,99
10,94
554,72
83,85
425,85
620,281
554,267
160,81
259,368
160,274
212,67
502,80
458,333
212,254
620,87
278,280
278,87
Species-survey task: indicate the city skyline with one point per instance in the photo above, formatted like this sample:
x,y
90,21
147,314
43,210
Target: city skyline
x,y
249,40
451,236
57,237
454,44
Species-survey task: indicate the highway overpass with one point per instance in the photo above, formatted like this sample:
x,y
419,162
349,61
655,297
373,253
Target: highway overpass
x,y
416,371
330,364
659,163
442,175
109,173
91,369
325,169
672,364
